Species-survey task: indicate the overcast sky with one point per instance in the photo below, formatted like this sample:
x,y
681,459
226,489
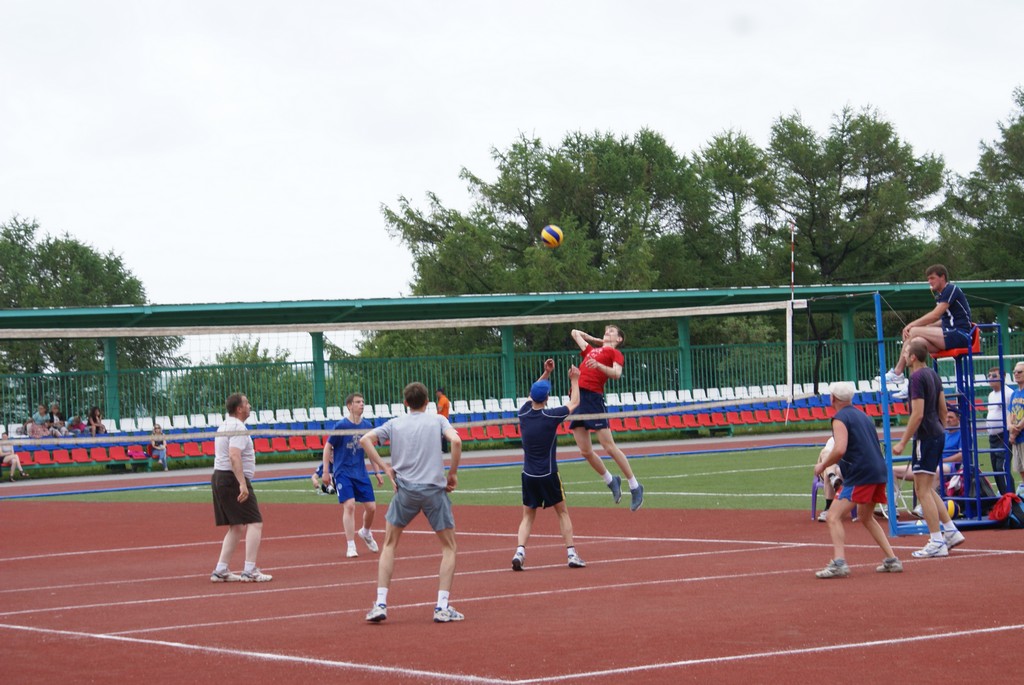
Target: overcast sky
x,y
241,151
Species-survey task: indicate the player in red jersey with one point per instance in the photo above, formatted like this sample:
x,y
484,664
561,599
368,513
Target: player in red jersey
x,y
598,365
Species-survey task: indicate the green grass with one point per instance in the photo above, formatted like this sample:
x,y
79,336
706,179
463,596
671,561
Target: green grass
x,y
751,479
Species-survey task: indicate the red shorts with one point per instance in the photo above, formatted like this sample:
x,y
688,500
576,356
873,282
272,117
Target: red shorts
x,y
865,494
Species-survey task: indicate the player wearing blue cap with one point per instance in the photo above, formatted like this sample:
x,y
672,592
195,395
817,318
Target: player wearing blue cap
x,y
542,486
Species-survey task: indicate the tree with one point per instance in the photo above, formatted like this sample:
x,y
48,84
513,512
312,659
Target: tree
x,y
985,210
63,272
856,196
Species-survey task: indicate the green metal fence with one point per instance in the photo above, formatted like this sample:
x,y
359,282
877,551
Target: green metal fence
x,y
202,389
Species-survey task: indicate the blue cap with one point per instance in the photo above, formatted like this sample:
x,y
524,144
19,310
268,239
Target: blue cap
x,y
539,391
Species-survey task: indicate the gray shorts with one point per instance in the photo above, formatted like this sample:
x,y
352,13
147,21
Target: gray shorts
x,y
1018,457
412,498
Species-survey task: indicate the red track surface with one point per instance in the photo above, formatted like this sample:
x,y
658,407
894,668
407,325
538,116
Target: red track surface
x,y
107,593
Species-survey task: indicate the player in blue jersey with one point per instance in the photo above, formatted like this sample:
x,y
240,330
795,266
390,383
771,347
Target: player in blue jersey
x,y
864,481
349,475
542,486
319,486
946,327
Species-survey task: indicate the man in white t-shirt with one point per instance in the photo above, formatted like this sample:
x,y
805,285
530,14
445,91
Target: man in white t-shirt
x,y
997,418
234,501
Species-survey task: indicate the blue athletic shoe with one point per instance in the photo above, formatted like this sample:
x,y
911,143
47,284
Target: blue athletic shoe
x,y
616,487
637,497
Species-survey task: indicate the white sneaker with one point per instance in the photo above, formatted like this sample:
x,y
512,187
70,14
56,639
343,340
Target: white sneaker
x,y
902,394
371,544
932,549
576,562
224,577
378,613
918,512
892,377
255,576
517,562
447,615
823,516
880,510
351,553
953,538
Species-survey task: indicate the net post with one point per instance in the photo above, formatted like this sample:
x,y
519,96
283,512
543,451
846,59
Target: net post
x,y
890,489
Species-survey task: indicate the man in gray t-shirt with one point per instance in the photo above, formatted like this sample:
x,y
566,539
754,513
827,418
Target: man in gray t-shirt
x,y
417,473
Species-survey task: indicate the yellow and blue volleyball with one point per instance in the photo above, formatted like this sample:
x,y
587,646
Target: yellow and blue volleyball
x,y
953,508
551,236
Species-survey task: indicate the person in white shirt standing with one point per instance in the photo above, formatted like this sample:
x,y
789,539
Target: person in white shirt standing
x,y
998,417
234,501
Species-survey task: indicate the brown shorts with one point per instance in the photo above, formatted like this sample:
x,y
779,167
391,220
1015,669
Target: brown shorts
x,y
227,510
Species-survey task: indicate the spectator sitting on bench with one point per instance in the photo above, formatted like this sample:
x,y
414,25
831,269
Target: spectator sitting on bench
x,y
57,419
158,446
10,458
76,426
39,425
95,421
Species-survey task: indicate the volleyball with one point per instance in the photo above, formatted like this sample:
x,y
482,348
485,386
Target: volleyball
x,y
953,509
551,236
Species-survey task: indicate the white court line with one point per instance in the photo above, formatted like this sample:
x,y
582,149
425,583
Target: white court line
x,y
769,654
454,677
435,676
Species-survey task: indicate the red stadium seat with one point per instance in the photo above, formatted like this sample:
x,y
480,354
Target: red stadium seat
x,y
761,415
41,457
510,431
563,429
675,421
297,443
705,420
819,414
960,351
748,418
464,433
478,433
661,423
174,450
61,457
616,425
118,453
734,418
279,445
80,455
494,432
630,423
315,442
777,415
210,448
646,423
192,449
261,445
691,421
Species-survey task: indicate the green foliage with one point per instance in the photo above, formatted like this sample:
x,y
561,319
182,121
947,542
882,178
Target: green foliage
x,y
985,210
637,215
856,197
63,272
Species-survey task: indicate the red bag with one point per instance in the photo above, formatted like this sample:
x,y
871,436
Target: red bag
x,y
1003,506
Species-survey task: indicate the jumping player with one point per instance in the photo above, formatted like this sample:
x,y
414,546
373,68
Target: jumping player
x,y
599,364
542,486
349,475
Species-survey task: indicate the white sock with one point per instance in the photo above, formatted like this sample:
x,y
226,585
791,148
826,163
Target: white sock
x,y
442,599
570,550
947,527
249,566
937,537
607,478
351,545
521,550
363,532
221,567
633,483
382,596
